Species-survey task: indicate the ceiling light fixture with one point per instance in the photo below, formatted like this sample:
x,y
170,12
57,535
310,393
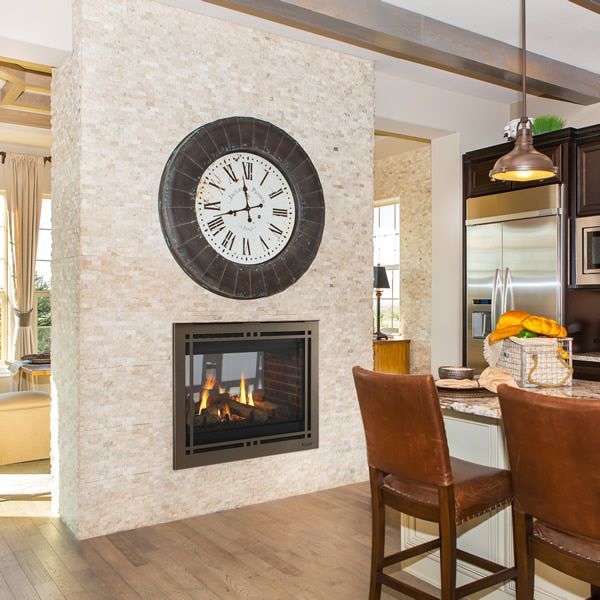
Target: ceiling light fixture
x,y
523,162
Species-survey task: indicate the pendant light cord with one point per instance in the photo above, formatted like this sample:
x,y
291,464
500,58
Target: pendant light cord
x,y
524,58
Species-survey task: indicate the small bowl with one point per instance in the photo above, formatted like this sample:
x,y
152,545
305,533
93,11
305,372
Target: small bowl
x,y
456,372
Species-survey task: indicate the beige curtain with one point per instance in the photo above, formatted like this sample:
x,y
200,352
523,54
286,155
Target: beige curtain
x,y
24,201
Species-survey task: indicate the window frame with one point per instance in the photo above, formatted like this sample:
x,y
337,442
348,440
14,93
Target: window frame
x,y
4,324
393,200
37,294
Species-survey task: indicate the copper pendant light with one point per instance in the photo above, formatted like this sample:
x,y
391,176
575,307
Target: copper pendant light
x,y
523,162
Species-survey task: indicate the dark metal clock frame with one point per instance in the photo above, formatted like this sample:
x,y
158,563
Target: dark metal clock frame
x,y
177,208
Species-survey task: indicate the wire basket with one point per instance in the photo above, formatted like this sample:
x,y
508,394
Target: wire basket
x,y
538,362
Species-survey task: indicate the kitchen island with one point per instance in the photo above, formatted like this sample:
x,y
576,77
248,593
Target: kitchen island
x,y
485,404
474,428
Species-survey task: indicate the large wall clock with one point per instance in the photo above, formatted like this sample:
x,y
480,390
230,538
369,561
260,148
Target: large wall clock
x,y
241,208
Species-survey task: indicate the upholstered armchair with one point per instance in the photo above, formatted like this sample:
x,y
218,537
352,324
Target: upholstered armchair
x,y
24,427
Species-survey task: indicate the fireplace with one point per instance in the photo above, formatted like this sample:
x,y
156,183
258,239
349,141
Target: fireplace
x,y
243,390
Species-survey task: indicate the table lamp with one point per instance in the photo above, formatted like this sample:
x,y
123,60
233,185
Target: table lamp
x,y
380,282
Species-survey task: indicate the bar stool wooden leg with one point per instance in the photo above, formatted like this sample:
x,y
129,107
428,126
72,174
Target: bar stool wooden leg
x,y
378,533
448,544
522,527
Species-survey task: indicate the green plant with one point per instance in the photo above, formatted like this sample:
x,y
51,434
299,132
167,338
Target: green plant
x,y
546,123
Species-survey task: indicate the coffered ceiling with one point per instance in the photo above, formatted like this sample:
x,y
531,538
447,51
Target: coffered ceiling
x,y
24,93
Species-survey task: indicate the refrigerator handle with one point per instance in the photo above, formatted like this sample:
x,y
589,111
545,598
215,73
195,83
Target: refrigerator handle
x,y
495,295
507,292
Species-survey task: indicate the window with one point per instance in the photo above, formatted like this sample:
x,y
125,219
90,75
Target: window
x,y
41,318
3,279
42,315
386,252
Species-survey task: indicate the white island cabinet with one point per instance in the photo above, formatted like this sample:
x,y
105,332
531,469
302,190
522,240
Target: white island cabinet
x,y
474,430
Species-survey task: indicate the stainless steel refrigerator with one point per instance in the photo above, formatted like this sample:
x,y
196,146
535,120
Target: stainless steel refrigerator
x,y
513,261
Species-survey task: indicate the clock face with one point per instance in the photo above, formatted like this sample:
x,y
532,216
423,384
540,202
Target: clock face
x,y
241,208
245,208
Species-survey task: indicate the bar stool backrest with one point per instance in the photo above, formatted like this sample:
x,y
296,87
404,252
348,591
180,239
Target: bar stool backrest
x,y
403,425
554,452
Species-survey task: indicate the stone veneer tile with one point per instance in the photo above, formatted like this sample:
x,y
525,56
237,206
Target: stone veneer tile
x,y
407,177
142,76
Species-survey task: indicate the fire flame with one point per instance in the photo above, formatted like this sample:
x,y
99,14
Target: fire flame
x,y
204,400
209,384
243,397
250,399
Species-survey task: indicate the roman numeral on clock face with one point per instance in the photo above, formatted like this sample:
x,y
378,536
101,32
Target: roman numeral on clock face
x,y
228,240
275,194
216,225
212,206
263,242
280,212
275,229
265,176
246,247
247,170
217,184
229,170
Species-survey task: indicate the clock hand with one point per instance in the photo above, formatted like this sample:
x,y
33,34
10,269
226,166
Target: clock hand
x,y
247,208
247,200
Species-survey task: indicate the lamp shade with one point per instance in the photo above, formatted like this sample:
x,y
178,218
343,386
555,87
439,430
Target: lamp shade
x,y
523,162
380,279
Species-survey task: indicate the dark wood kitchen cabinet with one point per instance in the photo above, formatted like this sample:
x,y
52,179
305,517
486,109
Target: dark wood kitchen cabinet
x,y
588,173
477,178
478,163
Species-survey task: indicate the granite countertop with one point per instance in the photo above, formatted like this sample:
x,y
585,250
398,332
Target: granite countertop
x,y
485,404
588,356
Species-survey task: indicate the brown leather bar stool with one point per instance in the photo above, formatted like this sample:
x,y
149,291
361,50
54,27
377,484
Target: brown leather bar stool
x,y
411,470
554,451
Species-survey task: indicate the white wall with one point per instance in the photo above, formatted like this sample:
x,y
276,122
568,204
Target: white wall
x,y
37,31
574,115
446,268
455,123
432,112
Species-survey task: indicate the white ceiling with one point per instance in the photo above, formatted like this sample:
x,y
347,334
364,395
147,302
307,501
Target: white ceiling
x,y
558,29
20,138
386,146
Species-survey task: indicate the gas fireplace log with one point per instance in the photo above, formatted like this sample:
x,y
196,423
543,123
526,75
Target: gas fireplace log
x,y
251,413
210,415
274,410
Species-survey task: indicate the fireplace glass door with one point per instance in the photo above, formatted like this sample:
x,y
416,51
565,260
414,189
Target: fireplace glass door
x,y
245,389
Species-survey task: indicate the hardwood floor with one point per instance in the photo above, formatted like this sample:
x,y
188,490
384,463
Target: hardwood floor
x,y
315,546
25,490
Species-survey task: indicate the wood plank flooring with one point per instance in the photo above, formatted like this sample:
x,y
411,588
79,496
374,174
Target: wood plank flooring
x,y
310,547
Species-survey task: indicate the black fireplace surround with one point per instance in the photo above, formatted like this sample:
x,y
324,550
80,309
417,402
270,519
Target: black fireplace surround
x,y
242,390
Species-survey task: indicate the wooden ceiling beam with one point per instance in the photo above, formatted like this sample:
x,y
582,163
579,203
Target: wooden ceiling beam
x,y
593,5
10,92
394,31
17,117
